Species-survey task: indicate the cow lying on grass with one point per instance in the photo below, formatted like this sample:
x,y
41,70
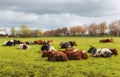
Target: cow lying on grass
x,y
64,55
76,54
102,52
68,44
55,56
106,40
11,43
47,47
42,42
23,46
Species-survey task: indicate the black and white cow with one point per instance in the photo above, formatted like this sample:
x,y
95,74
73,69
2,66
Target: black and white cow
x,y
47,47
68,44
11,43
102,52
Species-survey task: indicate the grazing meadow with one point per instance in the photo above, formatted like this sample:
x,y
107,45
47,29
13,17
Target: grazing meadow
x,y
16,62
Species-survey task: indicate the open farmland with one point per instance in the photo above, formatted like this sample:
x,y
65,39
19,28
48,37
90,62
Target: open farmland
x,y
15,62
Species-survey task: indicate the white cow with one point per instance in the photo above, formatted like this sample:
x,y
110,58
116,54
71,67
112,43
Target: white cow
x,y
24,46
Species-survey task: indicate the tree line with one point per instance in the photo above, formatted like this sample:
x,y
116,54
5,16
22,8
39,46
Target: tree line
x,y
93,29
25,31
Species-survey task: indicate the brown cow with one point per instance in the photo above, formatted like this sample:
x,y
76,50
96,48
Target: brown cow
x,y
55,56
38,42
41,42
83,54
106,40
114,51
75,54
72,55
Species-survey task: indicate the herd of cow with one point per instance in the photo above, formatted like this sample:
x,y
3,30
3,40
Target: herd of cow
x,y
69,53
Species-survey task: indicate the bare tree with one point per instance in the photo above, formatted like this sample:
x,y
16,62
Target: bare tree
x,y
102,28
46,33
72,31
83,30
64,31
92,29
76,30
114,28
58,32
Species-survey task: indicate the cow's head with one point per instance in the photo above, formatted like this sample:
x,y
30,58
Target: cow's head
x,y
92,49
24,46
114,51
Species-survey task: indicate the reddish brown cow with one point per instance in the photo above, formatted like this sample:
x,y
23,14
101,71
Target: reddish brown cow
x,y
38,42
114,51
76,54
83,54
55,56
41,42
72,55
106,40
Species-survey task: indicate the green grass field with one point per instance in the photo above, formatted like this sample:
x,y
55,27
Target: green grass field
x,y
15,62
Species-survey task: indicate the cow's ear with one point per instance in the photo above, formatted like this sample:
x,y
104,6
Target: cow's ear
x,y
91,46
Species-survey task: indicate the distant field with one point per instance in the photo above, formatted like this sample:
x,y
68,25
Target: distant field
x,y
28,63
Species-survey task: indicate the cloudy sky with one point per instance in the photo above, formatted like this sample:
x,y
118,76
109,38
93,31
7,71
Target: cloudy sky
x,y
52,14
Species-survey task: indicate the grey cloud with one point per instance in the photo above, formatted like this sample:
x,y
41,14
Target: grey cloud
x,y
47,21
86,8
52,14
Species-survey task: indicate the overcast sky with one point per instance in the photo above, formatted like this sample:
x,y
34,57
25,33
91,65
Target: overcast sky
x,y
52,14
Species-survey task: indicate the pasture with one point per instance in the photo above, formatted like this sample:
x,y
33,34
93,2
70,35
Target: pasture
x,y
15,62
